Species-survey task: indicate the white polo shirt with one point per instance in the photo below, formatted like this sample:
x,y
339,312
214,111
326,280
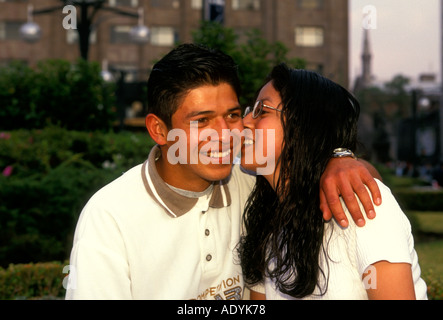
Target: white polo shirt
x,y
139,239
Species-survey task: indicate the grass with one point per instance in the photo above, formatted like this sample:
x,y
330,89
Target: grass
x,y
428,234
429,221
430,255
429,247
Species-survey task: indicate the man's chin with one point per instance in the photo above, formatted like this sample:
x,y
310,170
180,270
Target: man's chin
x,y
217,172
248,167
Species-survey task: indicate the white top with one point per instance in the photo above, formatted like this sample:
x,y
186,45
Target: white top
x,y
351,250
132,243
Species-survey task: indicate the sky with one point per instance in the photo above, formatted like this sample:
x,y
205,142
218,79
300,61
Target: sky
x,y
406,39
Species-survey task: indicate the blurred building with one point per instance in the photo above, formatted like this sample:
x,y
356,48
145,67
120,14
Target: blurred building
x,y
316,30
419,134
394,129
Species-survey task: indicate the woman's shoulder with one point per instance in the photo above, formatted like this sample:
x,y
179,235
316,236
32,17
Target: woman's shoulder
x,y
386,237
388,213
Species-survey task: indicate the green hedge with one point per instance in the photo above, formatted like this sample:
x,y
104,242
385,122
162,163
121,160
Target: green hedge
x,y
33,281
48,175
419,199
413,194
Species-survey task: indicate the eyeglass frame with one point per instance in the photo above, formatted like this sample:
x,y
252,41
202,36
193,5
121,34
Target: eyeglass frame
x,y
250,109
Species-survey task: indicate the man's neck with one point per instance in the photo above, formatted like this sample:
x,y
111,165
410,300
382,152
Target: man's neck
x,y
169,174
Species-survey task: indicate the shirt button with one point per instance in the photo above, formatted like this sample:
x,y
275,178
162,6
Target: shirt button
x,y
208,257
207,232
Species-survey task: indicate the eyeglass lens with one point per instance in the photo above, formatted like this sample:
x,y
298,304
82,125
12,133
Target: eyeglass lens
x,y
258,108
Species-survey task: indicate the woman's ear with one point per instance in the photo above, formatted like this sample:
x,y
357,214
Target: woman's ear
x,y
157,129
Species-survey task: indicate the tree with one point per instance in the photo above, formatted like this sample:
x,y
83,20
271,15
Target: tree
x,y
255,56
385,106
58,92
397,94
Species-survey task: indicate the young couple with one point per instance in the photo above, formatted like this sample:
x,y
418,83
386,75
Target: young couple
x,y
174,230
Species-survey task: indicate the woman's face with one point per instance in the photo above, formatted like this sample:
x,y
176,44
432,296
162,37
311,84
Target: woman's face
x,y
263,147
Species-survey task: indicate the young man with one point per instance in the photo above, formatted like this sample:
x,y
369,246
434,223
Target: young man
x,y
168,228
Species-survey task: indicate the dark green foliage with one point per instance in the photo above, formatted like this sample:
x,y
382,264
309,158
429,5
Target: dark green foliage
x,y
73,96
33,281
54,172
420,200
254,55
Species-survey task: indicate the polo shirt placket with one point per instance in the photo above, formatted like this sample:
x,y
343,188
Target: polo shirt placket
x,y
177,205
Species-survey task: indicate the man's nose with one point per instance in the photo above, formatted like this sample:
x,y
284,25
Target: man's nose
x,y
222,129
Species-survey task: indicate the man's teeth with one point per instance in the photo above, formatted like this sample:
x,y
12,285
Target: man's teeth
x,y
215,154
249,142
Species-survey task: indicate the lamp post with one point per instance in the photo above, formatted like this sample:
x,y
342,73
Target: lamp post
x,y
88,10
30,31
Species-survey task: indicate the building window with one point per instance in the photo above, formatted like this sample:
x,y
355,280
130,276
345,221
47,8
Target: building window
x,y
163,36
246,4
160,36
121,34
197,4
10,30
72,36
128,71
310,4
123,3
165,4
309,36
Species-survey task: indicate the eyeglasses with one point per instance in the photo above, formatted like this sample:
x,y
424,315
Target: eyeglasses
x,y
258,109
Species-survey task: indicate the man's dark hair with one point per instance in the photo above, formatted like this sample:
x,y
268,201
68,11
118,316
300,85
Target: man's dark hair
x,y
187,67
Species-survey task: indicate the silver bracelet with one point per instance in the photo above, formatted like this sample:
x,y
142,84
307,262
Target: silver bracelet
x,y
343,153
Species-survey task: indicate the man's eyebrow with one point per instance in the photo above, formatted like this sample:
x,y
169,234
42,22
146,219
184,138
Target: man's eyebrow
x,y
235,108
210,112
199,113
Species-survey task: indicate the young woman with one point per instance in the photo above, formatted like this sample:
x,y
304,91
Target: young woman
x,y
288,251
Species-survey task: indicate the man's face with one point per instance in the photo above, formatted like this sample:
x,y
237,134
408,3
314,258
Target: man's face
x,y
205,137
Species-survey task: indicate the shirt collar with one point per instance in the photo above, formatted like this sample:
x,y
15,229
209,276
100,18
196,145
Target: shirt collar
x,y
175,204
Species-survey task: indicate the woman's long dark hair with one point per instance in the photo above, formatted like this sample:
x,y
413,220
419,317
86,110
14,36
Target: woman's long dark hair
x,y
284,229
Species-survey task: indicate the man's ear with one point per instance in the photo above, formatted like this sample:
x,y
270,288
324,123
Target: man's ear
x,y
157,129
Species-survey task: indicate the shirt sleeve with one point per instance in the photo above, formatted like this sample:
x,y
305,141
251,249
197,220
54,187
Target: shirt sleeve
x,y
259,288
387,237
98,265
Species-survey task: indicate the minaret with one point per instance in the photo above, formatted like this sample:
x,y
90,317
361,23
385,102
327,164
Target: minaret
x,y
365,79
366,58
